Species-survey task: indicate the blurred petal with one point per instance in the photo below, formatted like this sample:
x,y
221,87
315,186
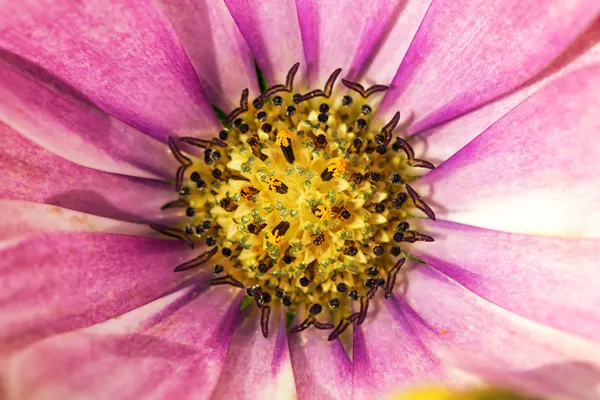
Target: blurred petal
x,y
467,53
464,329
388,355
171,348
322,369
53,283
535,171
549,280
120,54
63,121
439,143
215,47
19,218
32,173
381,67
258,368
271,30
341,35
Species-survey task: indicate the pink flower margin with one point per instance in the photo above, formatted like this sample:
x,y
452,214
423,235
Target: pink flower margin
x,y
504,95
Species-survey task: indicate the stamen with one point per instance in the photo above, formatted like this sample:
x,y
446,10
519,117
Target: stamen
x,y
389,128
288,87
226,280
322,93
175,204
357,87
198,261
419,203
344,323
173,232
241,109
264,320
410,154
304,324
391,279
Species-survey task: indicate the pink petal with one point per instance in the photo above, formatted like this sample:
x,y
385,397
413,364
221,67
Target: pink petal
x,y
32,173
464,329
344,41
52,283
322,369
549,280
172,348
467,53
389,356
215,47
534,171
120,54
381,67
439,143
258,368
60,119
19,218
271,30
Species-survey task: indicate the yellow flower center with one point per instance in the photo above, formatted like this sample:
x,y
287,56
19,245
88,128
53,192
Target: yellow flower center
x,y
301,200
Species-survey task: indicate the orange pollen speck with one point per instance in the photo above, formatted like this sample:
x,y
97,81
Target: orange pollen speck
x,y
323,213
284,138
337,167
274,239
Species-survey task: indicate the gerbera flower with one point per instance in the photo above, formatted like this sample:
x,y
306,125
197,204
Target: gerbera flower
x,y
317,251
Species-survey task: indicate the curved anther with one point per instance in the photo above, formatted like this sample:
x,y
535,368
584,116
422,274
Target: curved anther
x,y
357,87
391,278
241,109
226,280
203,143
322,326
173,232
180,203
183,160
389,128
288,87
344,323
419,203
410,155
198,261
412,236
264,320
322,93
303,325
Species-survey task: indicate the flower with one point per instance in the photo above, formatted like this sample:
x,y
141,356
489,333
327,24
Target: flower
x,y
499,95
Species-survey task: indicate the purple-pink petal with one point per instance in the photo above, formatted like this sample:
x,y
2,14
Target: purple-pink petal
x,y
383,64
553,281
215,47
120,54
31,173
389,356
18,218
51,283
270,28
440,142
322,369
507,350
346,40
467,53
256,367
62,120
171,348
534,171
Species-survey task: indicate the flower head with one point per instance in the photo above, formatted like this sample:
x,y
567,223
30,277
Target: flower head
x,y
317,251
